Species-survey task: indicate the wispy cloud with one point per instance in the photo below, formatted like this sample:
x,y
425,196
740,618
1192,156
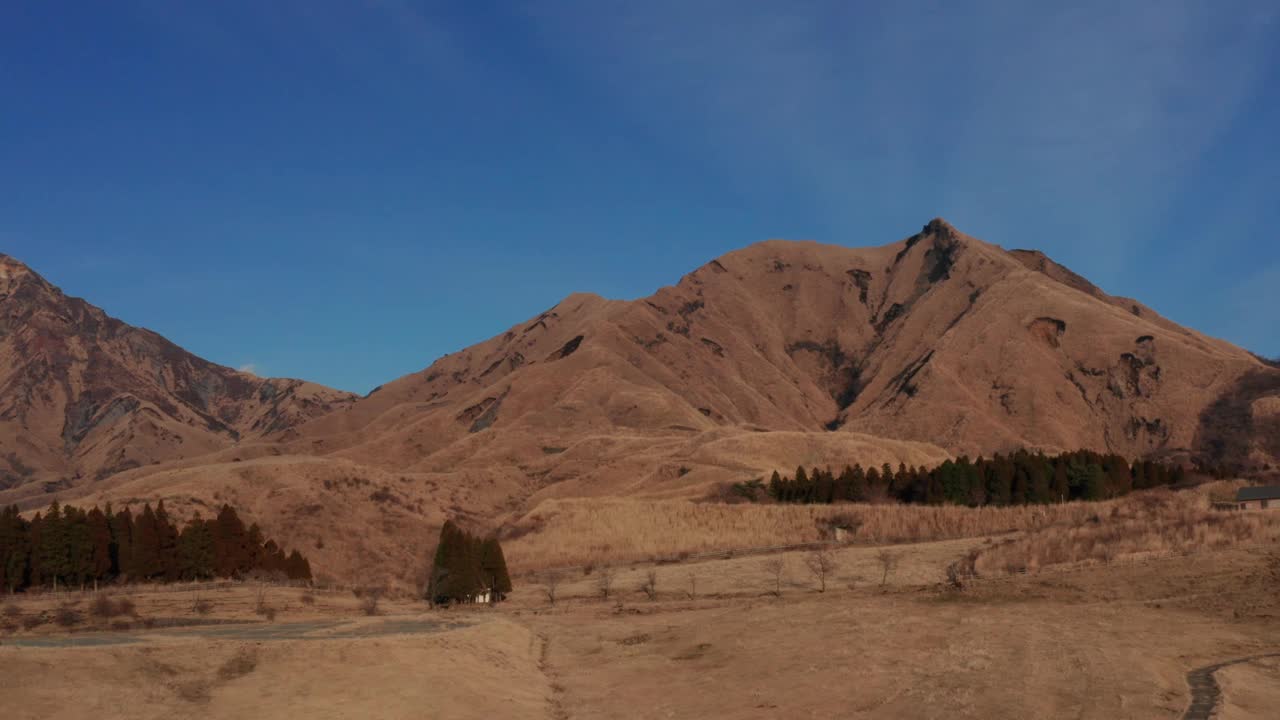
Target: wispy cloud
x,y
999,114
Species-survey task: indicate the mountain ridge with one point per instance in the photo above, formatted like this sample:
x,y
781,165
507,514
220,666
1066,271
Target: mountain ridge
x,y
775,355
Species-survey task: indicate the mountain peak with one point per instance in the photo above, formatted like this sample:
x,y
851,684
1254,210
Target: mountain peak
x,y
938,226
13,273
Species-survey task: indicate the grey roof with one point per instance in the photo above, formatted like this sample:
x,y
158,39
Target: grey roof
x,y
1258,493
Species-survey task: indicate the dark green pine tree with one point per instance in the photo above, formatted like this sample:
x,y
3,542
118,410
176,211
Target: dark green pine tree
x,y
775,486
297,567
801,488
493,566
254,544
1061,486
1095,482
1041,491
14,549
50,553
122,538
231,556
79,546
100,554
167,549
195,550
146,563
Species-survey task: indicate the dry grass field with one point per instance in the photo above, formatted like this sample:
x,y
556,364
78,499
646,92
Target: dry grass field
x,y
561,533
747,636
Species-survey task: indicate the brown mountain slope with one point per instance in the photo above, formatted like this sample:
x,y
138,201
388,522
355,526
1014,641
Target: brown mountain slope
x,y
939,338
83,395
780,354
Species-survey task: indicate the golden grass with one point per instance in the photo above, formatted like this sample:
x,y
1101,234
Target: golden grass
x,y
563,533
1158,522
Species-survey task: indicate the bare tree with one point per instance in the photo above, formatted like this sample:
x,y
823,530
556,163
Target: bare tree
x,y
369,603
961,572
604,582
776,566
888,562
821,564
551,586
650,585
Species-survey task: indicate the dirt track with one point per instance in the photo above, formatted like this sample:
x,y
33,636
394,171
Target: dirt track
x,y
1205,692
258,632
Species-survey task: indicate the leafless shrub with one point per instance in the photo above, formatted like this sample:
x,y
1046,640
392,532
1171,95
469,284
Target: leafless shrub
x,y
261,607
121,625
888,563
126,606
821,564
369,603
67,616
11,610
31,622
307,598
604,582
194,691
551,586
103,607
201,605
650,585
962,572
776,566
239,665
9,626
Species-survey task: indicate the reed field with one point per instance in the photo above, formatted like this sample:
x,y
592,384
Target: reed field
x,y
1153,523
562,533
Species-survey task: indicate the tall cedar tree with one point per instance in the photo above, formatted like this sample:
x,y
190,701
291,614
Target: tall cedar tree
x,y
493,564
465,566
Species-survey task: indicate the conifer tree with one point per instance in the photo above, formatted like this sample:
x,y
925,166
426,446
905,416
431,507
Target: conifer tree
x,y
14,549
51,548
493,565
100,544
296,567
167,544
231,557
775,486
146,545
195,550
1061,487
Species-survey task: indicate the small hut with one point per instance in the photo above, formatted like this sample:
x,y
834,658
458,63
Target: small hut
x,y
1259,498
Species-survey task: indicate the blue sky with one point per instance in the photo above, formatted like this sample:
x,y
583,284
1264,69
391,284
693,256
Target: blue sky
x,y
344,191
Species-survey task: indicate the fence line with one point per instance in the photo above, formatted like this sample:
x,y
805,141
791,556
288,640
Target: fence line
x,y
116,588
1128,561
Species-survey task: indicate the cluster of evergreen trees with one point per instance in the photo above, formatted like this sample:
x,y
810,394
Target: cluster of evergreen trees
x,y
1016,479
466,566
69,546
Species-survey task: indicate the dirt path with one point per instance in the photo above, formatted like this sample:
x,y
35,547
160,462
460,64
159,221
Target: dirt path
x,y
1205,692
317,630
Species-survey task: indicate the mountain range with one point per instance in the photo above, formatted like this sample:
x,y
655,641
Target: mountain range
x,y
779,354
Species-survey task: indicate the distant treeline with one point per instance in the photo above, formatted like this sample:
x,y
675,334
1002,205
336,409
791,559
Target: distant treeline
x,y
69,546
1018,479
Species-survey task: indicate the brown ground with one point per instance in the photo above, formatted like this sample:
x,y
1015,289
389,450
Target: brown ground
x,y
1251,690
1100,642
